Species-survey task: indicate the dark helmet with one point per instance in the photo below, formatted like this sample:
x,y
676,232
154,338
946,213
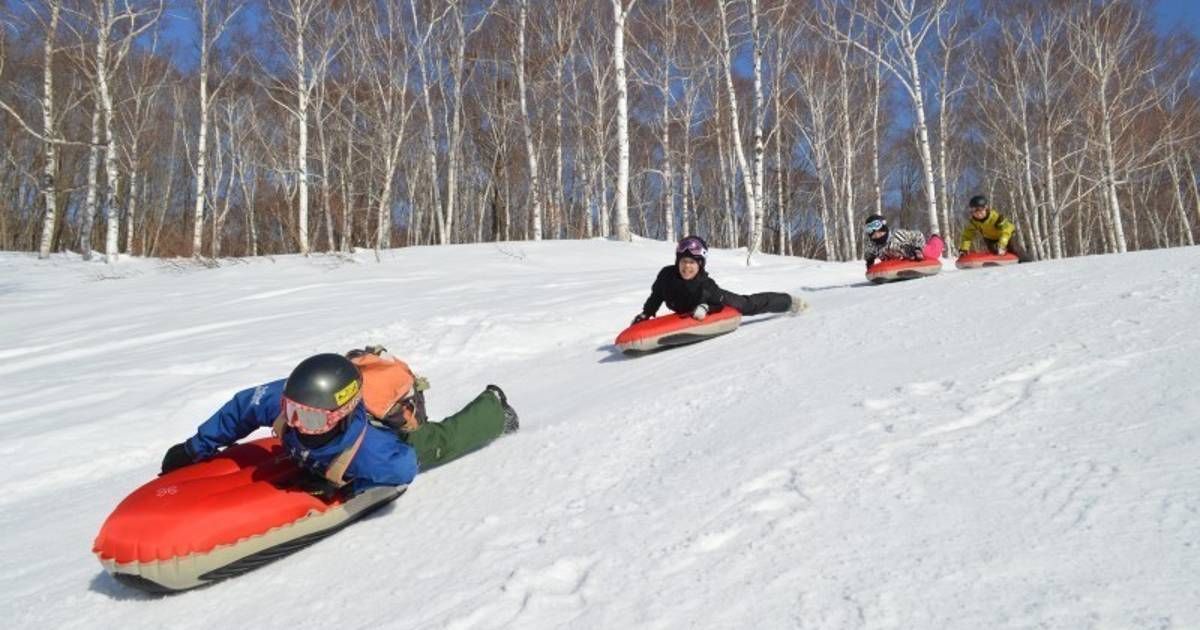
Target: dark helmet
x,y
978,201
692,247
873,224
320,392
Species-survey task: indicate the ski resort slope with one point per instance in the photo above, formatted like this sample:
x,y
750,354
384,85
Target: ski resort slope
x,y
1001,448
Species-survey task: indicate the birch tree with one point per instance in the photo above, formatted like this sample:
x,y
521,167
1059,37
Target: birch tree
x,y
620,16
50,168
904,26
535,198
1109,43
750,178
295,21
116,27
214,18
379,39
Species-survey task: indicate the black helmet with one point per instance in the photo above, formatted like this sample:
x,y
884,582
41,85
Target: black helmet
x,y
876,223
321,391
978,201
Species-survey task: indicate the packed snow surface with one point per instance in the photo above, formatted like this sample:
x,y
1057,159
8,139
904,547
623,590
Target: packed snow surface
x,y
1000,448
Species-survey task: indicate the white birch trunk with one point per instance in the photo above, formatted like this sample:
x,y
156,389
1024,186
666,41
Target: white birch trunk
x,y
50,169
202,140
668,178
877,98
847,130
248,199
688,212
1110,177
131,202
1176,189
89,212
601,176
1187,159
748,176
781,170
326,189
527,130
346,244
452,160
757,216
918,100
302,93
112,175
558,215
620,14
1056,231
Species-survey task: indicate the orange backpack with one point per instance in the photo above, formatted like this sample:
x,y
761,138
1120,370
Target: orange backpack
x,y
386,381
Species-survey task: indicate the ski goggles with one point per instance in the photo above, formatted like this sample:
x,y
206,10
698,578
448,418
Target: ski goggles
x,y
693,246
314,420
874,226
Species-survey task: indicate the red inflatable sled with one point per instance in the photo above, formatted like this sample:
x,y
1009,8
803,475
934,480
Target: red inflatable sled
x,y
975,260
677,330
892,270
220,518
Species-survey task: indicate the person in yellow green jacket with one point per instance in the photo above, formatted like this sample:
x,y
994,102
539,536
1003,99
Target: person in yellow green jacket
x,y
998,233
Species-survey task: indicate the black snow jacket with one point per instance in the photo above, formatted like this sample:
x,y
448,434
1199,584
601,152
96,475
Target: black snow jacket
x,y
683,296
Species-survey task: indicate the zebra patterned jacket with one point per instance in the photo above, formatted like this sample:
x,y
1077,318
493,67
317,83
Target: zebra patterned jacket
x,y
906,244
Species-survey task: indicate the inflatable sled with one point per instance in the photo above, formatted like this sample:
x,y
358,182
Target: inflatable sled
x,y
975,260
677,330
220,518
891,270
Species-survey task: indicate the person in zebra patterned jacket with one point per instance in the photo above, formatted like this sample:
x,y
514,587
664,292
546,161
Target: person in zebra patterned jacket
x,y
883,243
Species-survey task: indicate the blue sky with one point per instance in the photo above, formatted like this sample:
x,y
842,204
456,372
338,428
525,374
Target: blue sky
x,y
1182,13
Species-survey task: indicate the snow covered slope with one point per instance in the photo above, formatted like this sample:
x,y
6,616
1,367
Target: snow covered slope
x,y
1002,448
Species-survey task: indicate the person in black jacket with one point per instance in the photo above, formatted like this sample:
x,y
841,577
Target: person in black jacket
x,y
687,288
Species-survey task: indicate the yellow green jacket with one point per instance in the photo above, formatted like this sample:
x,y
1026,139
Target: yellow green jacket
x,y
993,228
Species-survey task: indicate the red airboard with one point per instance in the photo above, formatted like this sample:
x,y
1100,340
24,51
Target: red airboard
x,y
975,260
196,508
673,329
900,269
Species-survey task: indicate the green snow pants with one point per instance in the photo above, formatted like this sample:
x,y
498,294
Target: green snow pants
x,y
436,443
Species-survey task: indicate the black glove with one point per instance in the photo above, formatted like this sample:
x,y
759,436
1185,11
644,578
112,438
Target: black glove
x,y
962,252
177,457
640,317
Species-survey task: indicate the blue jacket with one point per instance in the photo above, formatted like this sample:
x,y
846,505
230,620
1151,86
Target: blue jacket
x,y
382,460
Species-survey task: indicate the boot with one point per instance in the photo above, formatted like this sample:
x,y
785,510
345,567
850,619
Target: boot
x,y
798,305
511,422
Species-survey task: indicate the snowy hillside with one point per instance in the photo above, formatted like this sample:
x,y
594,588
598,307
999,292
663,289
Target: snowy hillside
x,y
1005,448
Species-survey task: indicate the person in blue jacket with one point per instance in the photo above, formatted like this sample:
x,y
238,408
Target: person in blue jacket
x,y
318,412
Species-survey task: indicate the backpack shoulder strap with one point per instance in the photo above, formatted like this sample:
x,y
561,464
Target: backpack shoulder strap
x,y
336,471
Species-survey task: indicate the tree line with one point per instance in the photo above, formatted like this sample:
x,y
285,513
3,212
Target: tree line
x,y
215,128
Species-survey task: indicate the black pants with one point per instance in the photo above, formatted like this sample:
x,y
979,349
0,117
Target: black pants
x,y
1014,246
758,302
